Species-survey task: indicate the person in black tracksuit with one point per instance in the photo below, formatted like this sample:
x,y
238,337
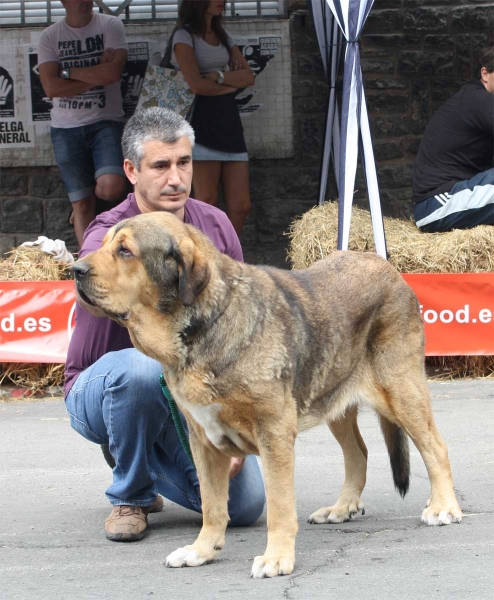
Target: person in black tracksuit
x,y
453,175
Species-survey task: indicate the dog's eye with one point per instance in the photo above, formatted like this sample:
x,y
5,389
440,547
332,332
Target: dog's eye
x,y
125,252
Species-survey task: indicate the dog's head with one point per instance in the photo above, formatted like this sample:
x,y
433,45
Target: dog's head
x,y
152,260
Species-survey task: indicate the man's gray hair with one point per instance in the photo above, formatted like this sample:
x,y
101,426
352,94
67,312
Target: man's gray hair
x,y
155,123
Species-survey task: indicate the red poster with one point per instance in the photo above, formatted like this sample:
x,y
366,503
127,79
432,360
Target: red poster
x,y
36,320
457,310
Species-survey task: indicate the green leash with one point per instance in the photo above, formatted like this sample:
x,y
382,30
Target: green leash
x,y
176,418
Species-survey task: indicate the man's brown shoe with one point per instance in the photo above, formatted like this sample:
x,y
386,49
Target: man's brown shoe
x,y
156,506
129,523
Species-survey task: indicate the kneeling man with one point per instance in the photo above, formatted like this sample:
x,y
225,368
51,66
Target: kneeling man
x,y
113,393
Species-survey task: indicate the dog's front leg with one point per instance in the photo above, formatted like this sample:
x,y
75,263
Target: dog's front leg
x,y
212,470
278,458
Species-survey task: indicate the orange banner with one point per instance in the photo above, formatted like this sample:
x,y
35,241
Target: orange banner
x,y
457,310
37,318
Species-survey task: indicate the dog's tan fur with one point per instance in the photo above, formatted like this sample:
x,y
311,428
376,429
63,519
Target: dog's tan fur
x,y
253,355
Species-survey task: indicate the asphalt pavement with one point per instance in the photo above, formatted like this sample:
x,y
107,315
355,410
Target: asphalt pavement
x,y
52,542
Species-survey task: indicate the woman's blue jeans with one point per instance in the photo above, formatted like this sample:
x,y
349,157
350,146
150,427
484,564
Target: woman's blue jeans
x,y
118,401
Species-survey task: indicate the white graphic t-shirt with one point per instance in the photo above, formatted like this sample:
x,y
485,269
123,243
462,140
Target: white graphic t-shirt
x,y
82,47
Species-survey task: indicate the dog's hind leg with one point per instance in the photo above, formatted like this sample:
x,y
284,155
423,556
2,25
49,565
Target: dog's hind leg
x,y
347,433
212,469
405,401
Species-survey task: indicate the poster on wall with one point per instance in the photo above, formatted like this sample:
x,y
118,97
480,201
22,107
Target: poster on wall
x,y
6,93
133,75
141,52
258,51
15,129
40,103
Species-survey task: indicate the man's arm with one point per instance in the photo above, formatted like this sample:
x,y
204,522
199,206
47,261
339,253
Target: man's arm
x,y
82,78
104,73
486,112
55,86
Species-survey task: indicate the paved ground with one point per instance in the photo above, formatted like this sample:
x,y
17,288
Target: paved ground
x,y
53,506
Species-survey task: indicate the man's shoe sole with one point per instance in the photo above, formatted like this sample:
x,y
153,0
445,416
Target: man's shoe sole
x,y
125,537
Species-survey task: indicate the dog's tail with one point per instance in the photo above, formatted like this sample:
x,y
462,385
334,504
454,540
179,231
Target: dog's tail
x,y
399,454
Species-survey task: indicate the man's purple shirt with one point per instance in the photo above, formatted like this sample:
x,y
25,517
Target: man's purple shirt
x,y
95,336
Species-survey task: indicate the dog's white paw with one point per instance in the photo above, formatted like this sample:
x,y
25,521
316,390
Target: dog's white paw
x,y
272,567
339,513
185,557
438,515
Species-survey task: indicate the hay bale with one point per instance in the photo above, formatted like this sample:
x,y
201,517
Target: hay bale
x,y
459,367
28,263
34,377
315,235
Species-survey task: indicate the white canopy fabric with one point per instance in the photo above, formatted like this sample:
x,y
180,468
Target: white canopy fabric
x,y
351,16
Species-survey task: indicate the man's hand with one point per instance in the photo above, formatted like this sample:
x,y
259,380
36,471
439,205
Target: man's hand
x,y
107,56
5,88
236,465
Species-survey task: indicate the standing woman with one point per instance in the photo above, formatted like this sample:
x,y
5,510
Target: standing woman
x,y
214,69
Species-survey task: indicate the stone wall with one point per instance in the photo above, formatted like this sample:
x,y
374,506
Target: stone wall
x,y
33,202
286,188
415,54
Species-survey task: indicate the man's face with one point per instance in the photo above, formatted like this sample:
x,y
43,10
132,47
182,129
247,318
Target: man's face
x,y
487,79
164,178
78,6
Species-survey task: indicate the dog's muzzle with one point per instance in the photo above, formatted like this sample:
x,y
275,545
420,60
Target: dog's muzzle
x,y
81,270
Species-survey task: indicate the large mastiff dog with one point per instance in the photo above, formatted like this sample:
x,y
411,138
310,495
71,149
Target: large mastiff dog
x,y
253,355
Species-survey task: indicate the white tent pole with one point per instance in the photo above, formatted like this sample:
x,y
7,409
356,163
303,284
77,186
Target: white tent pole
x,y
336,145
348,161
335,56
328,36
372,187
351,16
327,146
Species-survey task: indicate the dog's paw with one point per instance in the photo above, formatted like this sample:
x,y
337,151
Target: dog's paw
x,y
339,513
272,567
436,514
185,557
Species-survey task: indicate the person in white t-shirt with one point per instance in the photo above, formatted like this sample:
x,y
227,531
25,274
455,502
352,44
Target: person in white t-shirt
x,y
80,61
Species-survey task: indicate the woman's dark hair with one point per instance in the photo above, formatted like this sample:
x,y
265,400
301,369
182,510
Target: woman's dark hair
x,y
486,58
192,17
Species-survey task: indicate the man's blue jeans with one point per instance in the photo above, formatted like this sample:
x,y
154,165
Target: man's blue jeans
x,y
118,401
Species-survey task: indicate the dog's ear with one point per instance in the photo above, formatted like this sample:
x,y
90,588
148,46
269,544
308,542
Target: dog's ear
x,y
109,235
193,271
